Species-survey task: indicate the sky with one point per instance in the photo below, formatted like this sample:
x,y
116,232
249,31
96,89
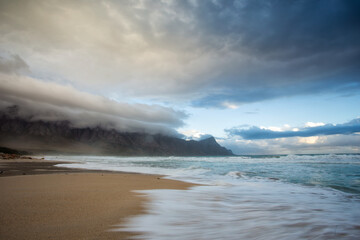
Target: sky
x,y
262,77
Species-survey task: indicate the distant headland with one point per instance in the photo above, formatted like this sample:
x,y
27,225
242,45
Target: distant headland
x,y
59,137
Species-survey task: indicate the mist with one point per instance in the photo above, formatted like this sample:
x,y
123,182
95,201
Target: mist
x,y
49,101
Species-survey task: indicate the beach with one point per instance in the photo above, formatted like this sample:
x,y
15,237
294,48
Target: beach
x,y
242,197
42,201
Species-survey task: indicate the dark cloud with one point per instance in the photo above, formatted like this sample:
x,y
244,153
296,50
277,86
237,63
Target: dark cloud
x,y
291,48
338,84
254,133
282,30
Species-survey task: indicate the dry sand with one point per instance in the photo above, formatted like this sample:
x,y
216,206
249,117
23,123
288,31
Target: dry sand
x,y
70,205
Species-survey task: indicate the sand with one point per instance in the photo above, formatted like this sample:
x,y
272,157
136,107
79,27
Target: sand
x,y
72,204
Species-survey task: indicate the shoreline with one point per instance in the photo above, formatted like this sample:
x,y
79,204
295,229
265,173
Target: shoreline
x,y
42,201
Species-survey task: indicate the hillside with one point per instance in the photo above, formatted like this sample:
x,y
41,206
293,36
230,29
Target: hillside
x,y
61,137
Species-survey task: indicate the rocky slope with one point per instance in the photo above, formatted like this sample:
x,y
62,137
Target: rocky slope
x,y
60,137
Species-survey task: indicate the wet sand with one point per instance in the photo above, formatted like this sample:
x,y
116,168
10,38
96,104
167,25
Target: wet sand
x,y
41,201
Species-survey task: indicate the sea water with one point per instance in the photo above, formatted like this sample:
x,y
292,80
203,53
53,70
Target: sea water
x,y
245,197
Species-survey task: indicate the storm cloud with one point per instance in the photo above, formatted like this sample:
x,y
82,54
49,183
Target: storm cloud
x,y
254,132
204,53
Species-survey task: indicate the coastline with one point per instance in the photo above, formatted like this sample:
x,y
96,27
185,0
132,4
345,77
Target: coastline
x,y
42,201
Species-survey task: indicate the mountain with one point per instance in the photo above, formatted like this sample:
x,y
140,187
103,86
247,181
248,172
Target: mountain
x,y
61,137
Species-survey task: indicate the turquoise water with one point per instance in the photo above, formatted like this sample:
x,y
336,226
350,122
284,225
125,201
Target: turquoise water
x,y
246,197
341,171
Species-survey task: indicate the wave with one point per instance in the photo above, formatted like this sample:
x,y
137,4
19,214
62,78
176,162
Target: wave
x,y
252,210
319,170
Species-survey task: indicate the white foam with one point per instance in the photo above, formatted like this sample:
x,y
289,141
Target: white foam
x,y
252,210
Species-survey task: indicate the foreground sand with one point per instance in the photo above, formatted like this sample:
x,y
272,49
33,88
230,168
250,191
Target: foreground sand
x,y
72,205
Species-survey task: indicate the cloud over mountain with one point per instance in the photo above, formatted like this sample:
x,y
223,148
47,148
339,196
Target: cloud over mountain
x,y
40,100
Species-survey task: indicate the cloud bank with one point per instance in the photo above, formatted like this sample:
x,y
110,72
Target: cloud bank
x,y
40,100
312,138
295,145
208,53
254,132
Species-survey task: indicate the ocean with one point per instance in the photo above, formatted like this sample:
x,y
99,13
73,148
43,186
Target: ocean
x,y
245,197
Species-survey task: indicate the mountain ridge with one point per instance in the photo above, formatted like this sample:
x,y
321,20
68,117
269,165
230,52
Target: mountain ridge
x,y
60,137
